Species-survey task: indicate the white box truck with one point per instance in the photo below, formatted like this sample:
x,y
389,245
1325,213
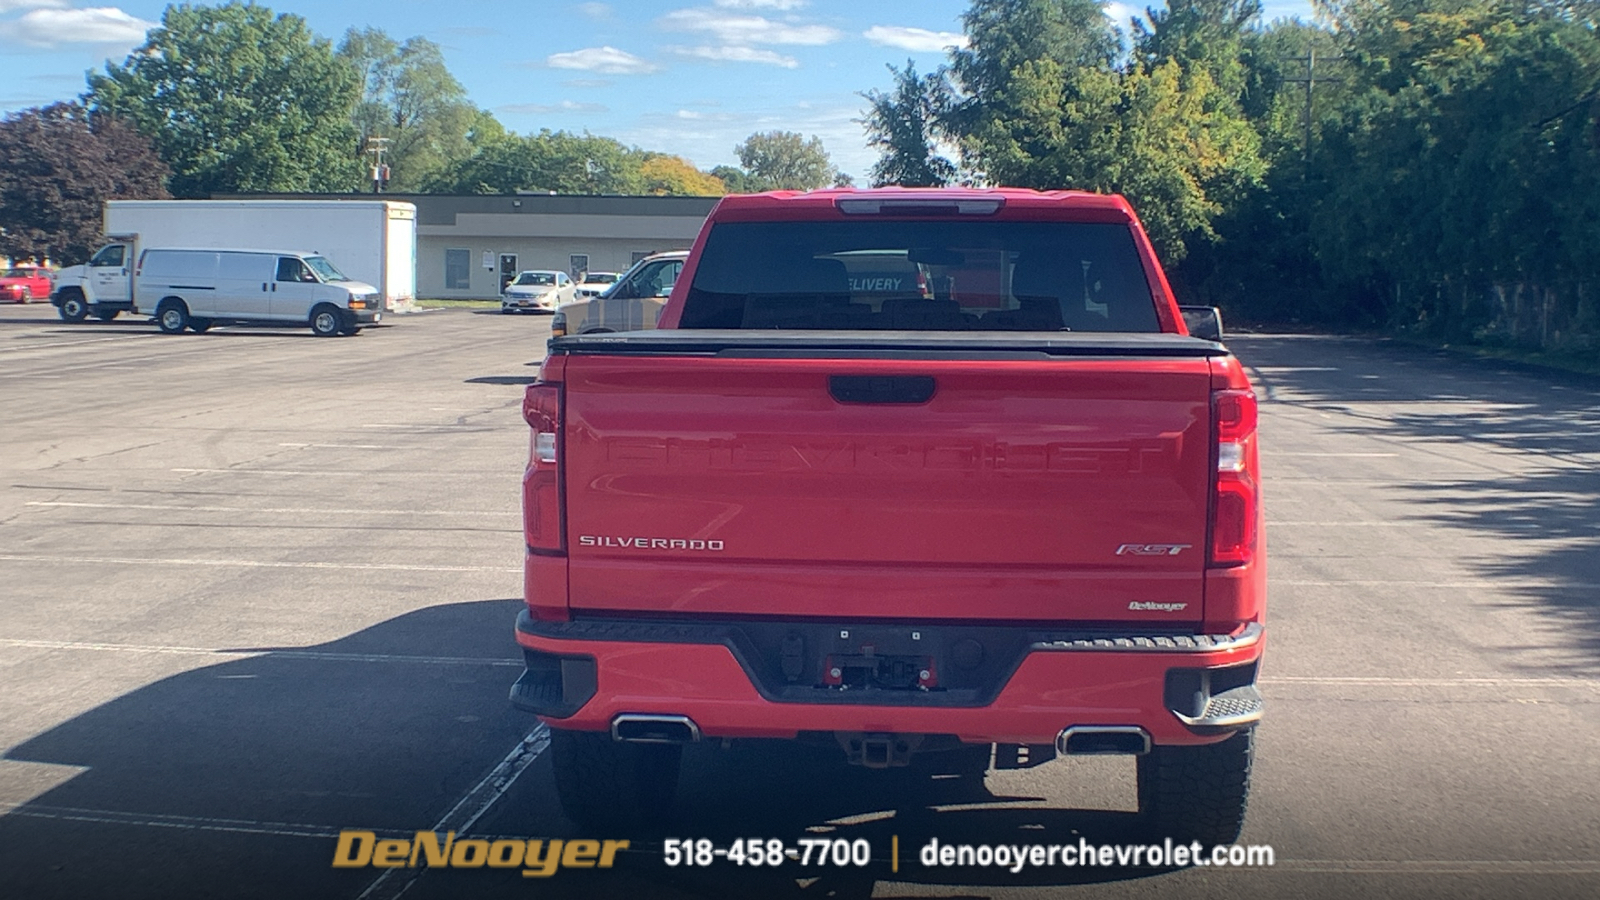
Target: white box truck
x,y
371,241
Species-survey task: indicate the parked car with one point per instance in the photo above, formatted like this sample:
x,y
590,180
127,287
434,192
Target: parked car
x,y
537,290
632,304
26,283
595,283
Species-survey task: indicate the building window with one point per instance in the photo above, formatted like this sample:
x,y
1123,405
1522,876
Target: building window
x,y
458,270
578,264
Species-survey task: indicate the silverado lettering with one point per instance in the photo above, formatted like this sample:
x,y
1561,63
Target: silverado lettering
x,y
642,543
951,492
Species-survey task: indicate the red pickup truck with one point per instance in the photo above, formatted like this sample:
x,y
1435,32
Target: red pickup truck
x,y
904,471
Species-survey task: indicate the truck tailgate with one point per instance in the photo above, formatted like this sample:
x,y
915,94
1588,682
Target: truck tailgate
x,y
1031,490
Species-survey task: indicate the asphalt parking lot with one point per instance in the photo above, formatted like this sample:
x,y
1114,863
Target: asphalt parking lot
x,y
258,587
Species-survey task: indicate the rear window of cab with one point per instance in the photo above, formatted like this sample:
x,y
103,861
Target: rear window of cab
x,y
921,276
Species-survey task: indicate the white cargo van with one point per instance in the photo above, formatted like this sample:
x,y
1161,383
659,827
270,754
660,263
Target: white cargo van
x,y
196,289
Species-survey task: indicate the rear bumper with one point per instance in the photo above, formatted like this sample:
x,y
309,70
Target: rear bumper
x,y
1180,689
537,304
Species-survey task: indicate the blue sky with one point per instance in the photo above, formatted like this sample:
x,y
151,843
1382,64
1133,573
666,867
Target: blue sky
x,y
691,77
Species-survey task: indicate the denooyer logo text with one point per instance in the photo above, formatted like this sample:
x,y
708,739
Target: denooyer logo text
x,y
536,858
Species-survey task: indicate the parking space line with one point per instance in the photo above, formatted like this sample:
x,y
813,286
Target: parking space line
x,y
299,446
468,810
296,510
245,653
1379,680
1340,455
252,564
161,820
324,473
54,344
1486,581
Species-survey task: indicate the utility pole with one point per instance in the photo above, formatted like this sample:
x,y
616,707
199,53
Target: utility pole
x,y
1310,59
380,172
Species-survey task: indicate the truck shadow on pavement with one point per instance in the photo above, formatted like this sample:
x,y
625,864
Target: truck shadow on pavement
x,y
233,779
1535,491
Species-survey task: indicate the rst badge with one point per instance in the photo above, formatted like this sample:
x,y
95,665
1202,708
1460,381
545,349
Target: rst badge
x,y
1152,549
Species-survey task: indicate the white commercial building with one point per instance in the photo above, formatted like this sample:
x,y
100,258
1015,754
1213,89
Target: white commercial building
x,y
468,246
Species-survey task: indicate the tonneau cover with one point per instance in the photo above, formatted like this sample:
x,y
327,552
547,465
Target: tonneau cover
x,y
834,344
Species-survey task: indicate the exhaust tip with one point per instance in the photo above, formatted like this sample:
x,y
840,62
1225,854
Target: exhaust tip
x,y
639,728
1102,740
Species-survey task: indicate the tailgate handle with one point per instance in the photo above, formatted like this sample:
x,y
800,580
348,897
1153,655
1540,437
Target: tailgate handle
x,y
881,388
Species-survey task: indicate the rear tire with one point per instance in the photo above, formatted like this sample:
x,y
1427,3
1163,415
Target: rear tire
x,y
610,785
73,307
326,321
172,316
200,326
1197,793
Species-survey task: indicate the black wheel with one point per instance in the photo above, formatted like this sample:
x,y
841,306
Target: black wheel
x,y
1197,793
73,308
326,321
350,329
172,316
27,295
200,326
607,784
507,312
106,315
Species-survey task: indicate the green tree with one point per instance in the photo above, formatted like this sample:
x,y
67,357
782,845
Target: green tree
x,y
237,99
556,161
1467,184
666,175
786,161
1211,33
1040,104
61,165
737,180
903,126
409,97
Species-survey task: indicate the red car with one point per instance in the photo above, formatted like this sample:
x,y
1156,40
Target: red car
x,y
900,472
25,284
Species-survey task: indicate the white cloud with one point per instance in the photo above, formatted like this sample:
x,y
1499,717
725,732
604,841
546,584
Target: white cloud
x,y
739,54
600,11
606,60
697,116
917,40
565,106
587,83
782,5
96,25
9,5
746,30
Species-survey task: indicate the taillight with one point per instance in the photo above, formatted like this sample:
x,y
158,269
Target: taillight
x,y
541,483
542,515
1235,496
